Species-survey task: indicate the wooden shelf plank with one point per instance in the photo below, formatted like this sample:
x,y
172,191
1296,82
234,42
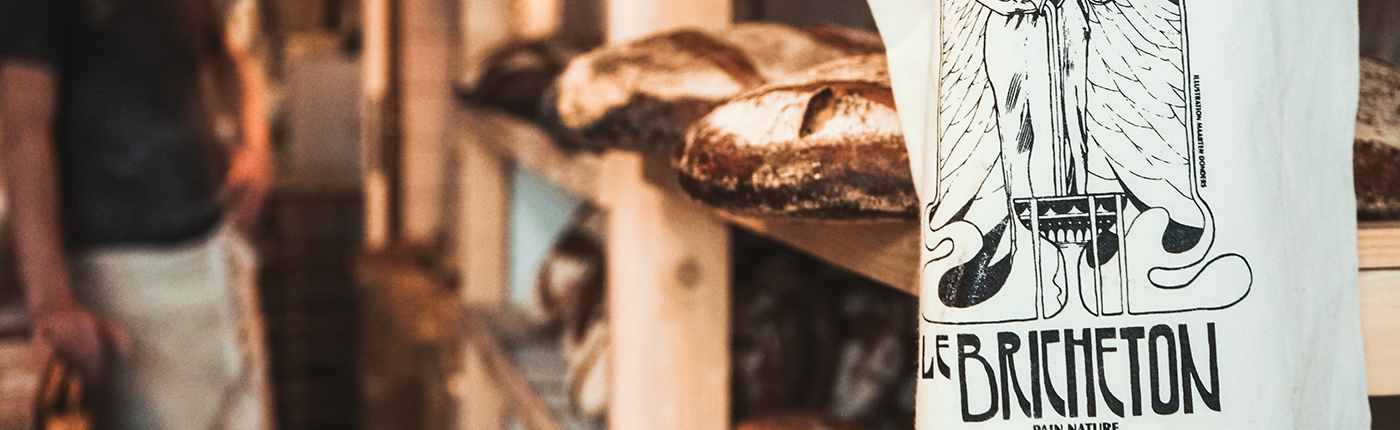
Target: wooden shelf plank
x,y
1378,245
888,252
1380,327
530,147
481,253
668,301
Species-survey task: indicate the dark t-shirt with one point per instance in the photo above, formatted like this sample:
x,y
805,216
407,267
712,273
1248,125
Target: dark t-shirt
x,y
137,157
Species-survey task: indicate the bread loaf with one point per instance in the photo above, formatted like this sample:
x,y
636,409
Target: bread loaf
x,y
879,336
811,337
822,144
37,391
571,288
1376,156
785,338
643,95
517,75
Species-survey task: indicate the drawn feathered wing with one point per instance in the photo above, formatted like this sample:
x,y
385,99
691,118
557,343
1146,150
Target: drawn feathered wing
x,y
969,146
1137,104
1138,121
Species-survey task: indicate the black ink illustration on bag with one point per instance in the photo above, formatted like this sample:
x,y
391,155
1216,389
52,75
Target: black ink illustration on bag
x,y
1066,167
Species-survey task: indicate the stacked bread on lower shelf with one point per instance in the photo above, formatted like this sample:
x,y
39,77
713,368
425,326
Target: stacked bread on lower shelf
x,y
810,340
795,421
570,288
812,346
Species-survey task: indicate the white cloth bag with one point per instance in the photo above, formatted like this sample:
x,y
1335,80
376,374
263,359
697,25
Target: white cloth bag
x,y
1131,222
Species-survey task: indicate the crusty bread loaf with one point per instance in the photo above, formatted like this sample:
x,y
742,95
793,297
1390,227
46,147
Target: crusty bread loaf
x,y
643,95
784,345
811,337
516,75
822,144
1376,156
571,288
880,334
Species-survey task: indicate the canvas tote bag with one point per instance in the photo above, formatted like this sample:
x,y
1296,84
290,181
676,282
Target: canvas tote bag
x,y
1138,214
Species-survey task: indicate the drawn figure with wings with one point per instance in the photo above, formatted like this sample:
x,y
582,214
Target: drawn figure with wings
x,y
1065,164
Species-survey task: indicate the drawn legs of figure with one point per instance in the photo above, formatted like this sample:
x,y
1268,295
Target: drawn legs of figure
x,y
981,265
1019,69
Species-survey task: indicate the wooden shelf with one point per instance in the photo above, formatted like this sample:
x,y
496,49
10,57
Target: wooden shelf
x,y
527,405
888,251
526,144
668,256
668,284
1378,245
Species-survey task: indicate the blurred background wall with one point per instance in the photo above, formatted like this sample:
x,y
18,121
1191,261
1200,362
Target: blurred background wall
x,y
312,227
1380,29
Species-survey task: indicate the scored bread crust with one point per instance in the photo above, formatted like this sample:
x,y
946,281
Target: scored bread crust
x,y
823,144
1376,150
643,95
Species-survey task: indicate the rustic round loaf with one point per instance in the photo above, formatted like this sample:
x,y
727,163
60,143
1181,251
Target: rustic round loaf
x,y
822,144
1377,180
643,95
516,75
571,291
1376,151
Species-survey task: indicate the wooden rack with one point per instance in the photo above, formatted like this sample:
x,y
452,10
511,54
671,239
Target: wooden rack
x,y
668,307
669,257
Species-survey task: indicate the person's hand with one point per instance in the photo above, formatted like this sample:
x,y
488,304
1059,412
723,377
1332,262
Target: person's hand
x,y
84,338
250,169
245,188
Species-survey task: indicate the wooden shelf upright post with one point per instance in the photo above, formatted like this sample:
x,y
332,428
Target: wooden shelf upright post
x,y
668,272
482,249
668,269
482,226
424,49
374,121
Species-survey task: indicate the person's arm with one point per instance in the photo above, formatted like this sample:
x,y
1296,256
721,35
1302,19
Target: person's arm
x,y
250,172
27,93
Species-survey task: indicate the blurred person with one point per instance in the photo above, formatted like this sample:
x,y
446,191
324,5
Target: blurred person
x,y
137,157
